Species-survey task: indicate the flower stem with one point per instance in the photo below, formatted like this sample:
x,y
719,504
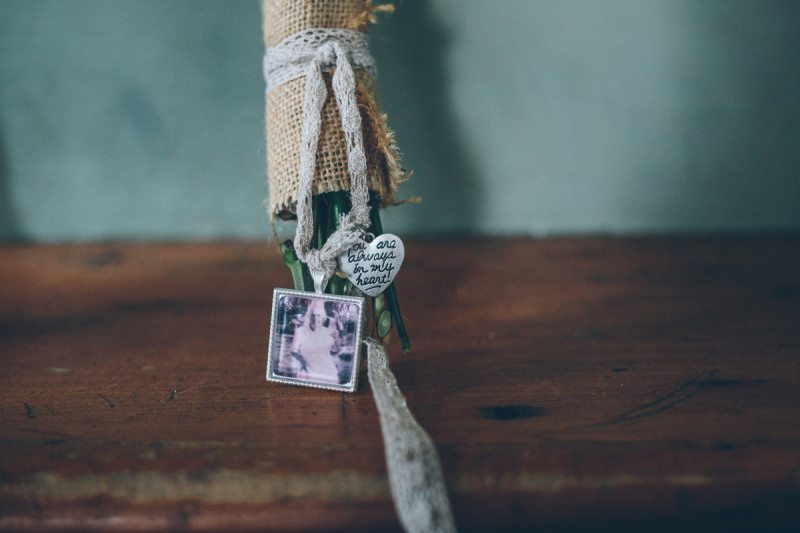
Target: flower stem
x,y
300,274
390,293
337,205
328,208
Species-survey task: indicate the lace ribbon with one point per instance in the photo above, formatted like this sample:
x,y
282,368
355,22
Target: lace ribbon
x,y
415,473
308,53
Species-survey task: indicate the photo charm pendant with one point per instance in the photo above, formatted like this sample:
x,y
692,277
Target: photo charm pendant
x,y
371,266
315,339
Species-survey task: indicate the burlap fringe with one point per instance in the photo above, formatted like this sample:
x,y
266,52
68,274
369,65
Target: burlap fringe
x,y
285,114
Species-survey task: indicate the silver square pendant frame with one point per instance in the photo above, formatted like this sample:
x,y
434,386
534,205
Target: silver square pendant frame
x,y
353,384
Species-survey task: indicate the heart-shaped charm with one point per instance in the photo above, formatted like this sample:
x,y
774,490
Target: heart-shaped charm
x,y
372,266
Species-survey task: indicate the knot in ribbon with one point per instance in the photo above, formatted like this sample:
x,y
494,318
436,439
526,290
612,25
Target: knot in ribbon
x,y
307,54
415,473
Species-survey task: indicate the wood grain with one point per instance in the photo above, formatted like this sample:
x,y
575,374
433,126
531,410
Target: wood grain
x,y
568,382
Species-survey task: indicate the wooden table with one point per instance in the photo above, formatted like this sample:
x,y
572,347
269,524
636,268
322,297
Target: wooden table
x,y
568,382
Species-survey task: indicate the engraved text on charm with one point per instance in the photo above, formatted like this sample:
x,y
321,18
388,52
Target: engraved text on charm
x,y
372,266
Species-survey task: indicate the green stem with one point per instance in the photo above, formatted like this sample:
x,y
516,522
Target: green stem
x,y
318,215
337,205
300,274
328,209
390,293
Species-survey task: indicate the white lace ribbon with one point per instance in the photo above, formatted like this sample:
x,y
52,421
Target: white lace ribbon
x,y
415,473
308,53
289,59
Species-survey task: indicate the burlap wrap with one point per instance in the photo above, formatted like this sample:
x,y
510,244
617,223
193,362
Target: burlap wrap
x,y
285,112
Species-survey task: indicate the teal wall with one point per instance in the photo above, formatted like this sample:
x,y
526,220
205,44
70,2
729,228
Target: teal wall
x,y
144,119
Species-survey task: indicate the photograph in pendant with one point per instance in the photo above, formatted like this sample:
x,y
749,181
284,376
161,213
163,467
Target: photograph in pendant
x,y
315,340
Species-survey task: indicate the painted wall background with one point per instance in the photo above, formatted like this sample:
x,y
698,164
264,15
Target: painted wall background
x,y
145,119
